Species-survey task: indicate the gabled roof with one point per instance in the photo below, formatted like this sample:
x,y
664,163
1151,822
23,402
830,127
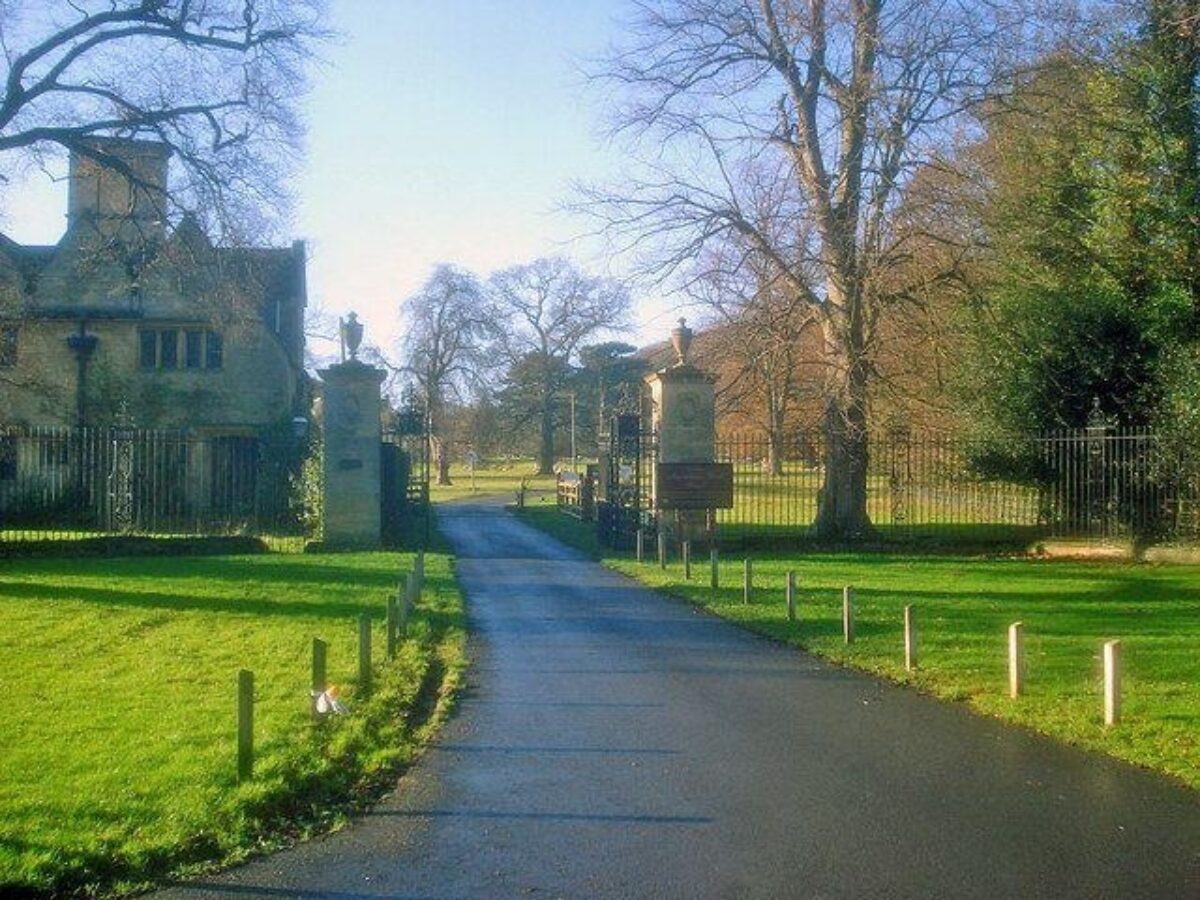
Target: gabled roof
x,y
27,259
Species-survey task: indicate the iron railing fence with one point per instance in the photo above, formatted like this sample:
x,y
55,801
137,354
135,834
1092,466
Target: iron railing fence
x,y
1119,483
1098,484
65,483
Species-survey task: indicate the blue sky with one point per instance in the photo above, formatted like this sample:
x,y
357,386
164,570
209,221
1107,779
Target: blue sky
x,y
438,131
451,131
447,131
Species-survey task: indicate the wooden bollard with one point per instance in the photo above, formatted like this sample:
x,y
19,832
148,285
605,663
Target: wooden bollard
x,y
1112,683
662,548
364,653
405,604
245,725
910,639
412,592
319,650
848,614
1016,659
790,594
393,615
686,550
641,545
747,580
714,573
419,569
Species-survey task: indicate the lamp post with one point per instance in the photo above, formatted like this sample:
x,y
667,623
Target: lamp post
x,y
570,396
83,345
574,453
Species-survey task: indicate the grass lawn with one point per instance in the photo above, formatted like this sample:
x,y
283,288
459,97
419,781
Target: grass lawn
x,y
120,680
789,499
491,477
964,606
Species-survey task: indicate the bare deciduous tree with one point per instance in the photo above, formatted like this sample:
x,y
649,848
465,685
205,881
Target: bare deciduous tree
x,y
542,313
768,360
828,105
216,81
441,350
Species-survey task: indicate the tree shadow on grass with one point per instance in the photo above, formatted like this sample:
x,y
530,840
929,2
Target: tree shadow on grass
x,y
265,569
132,599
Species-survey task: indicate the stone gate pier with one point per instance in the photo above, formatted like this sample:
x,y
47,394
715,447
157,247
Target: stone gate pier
x,y
351,406
686,484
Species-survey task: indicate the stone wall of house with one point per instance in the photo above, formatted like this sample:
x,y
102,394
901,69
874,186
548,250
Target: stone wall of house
x,y
118,272
255,386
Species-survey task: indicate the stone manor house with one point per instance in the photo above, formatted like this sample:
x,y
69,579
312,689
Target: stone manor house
x,y
127,320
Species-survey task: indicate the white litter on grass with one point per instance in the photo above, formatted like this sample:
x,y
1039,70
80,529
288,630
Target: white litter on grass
x,y
326,702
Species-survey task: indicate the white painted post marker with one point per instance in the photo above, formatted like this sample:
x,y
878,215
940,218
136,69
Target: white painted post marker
x,y
848,614
1016,659
910,639
1112,683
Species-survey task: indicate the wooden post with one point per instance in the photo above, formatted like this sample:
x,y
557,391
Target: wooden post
x,y
686,549
790,593
364,652
662,547
848,614
910,639
412,593
419,569
318,665
1112,683
714,575
245,725
747,580
1016,659
641,545
392,624
404,604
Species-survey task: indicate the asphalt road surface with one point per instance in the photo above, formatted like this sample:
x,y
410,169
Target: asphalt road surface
x,y
615,743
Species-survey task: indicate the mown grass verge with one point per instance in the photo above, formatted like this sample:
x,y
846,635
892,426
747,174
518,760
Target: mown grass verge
x,y
119,735
964,606
492,478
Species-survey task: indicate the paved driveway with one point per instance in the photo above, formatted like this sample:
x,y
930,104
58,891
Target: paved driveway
x,y
615,743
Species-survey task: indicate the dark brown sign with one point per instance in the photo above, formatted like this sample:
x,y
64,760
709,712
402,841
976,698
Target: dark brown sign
x,y
694,486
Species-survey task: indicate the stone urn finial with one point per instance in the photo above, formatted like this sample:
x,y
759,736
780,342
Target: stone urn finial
x,y
352,334
681,340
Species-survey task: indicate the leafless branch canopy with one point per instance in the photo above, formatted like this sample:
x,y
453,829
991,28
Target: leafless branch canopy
x,y
215,80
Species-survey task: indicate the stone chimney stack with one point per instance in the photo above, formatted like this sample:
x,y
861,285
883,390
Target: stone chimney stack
x,y
111,200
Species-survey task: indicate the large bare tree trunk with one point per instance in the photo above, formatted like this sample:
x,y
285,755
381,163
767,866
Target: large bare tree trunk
x,y
438,443
441,454
776,437
842,503
546,445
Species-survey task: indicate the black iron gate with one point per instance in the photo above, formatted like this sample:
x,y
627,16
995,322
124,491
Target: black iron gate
x,y
622,504
404,478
